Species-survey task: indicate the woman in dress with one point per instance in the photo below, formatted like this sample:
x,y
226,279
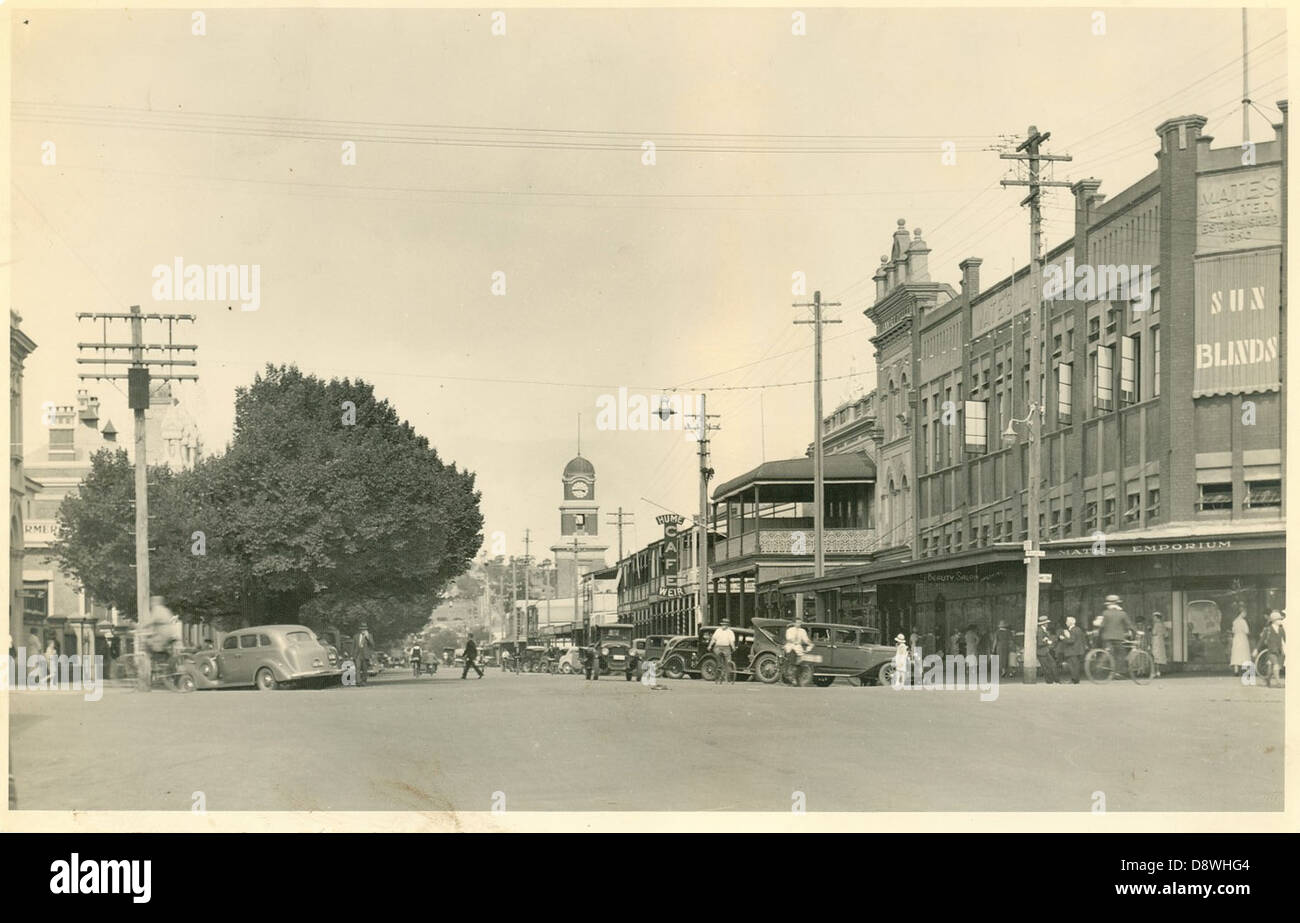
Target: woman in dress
x,y
1240,656
1158,640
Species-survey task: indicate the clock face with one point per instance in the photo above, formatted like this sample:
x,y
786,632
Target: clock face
x,y
579,489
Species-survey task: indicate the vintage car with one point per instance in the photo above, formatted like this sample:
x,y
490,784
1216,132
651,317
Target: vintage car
x,y
650,647
615,643
264,656
679,657
838,650
570,661
706,662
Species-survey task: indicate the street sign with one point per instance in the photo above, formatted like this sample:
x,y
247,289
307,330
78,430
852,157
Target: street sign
x,y
1044,578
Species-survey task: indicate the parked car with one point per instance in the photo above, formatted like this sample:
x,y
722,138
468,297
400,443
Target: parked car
x,y
264,656
679,656
651,647
706,662
838,650
570,660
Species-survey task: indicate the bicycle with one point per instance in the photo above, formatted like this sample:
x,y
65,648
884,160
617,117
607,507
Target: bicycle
x,y
1268,667
1140,665
796,669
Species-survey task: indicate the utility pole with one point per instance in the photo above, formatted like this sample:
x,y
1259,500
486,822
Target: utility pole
x,y
616,519
514,590
576,588
702,428
1028,150
819,483
528,566
1245,82
137,375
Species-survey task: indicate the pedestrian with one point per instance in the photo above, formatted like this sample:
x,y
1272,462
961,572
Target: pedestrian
x,y
1240,657
1002,640
723,643
1116,627
33,643
471,654
1044,646
1159,640
593,663
900,660
954,643
363,647
1074,645
972,644
1273,638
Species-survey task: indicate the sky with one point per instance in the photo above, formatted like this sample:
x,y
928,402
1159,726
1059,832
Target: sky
x,y
522,154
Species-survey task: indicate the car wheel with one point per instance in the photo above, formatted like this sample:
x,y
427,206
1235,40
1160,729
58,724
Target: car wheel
x,y
823,681
265,679
208,667
885,676
185,683
708,669
674,668
566,668
767,668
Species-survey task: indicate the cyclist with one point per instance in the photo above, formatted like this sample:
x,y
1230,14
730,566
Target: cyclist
x,y
1116,628
1273,638
723,643
416,657
797,643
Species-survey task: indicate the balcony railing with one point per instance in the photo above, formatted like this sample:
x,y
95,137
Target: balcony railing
x,y
794,542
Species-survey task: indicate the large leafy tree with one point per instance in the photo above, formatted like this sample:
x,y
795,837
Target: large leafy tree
x,y
325,508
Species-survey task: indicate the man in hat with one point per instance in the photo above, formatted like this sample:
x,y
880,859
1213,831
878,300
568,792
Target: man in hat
x,y
797,642
1074,645
471,658
365,644
1116,628
723,643
1273,638
1044,645
1002,640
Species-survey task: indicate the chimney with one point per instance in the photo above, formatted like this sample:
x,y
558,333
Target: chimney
x,y
1086,200
899,254
918,259
970,276
88,409
882,278
109,432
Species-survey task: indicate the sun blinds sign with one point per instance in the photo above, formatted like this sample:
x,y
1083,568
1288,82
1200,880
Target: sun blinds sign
x,y
1237,330
1239,210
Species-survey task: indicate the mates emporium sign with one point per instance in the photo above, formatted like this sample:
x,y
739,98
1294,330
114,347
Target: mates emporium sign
x,y
1143,548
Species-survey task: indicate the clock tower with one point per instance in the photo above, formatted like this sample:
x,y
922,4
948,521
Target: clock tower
x,y
580,522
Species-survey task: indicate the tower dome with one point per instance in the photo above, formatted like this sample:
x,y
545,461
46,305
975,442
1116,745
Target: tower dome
x,y
579,466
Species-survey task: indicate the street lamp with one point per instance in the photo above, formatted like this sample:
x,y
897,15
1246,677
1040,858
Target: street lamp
x,y
1033,420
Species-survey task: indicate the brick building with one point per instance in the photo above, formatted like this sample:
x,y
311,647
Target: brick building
x,y
1162,467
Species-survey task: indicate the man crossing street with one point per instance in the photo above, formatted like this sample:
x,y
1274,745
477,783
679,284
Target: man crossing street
x,y
471,655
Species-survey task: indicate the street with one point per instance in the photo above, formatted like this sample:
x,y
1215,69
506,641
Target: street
x,y
560,743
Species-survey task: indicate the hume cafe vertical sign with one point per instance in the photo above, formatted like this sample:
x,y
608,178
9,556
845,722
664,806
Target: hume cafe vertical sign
x,y
1238,281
